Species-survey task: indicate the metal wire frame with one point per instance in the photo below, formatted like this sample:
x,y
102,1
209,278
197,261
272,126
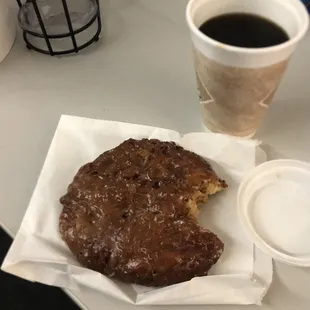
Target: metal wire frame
x,y
71,33
307,4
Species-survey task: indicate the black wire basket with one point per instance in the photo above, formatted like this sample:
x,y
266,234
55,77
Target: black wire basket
x,y
42,33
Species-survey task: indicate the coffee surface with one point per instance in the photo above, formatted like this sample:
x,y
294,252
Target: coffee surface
x,y
244,30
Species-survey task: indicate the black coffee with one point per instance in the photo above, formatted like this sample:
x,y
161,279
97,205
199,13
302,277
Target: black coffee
x,y
244,30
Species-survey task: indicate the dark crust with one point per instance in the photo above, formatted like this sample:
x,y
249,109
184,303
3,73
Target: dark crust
x,y
126,214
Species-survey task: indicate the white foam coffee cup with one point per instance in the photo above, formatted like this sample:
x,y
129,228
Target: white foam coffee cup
x,y
237,84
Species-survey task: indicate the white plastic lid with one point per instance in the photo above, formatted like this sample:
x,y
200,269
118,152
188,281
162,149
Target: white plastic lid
x,y
274,209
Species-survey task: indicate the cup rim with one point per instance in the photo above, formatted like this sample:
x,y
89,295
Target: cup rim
x,y
245,50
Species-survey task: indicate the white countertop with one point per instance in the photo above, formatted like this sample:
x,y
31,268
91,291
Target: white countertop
x,y
141,72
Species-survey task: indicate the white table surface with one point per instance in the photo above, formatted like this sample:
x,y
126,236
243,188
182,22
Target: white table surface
x,y
140,72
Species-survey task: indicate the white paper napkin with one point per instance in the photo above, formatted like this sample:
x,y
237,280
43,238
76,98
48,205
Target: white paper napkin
x,y
241,276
